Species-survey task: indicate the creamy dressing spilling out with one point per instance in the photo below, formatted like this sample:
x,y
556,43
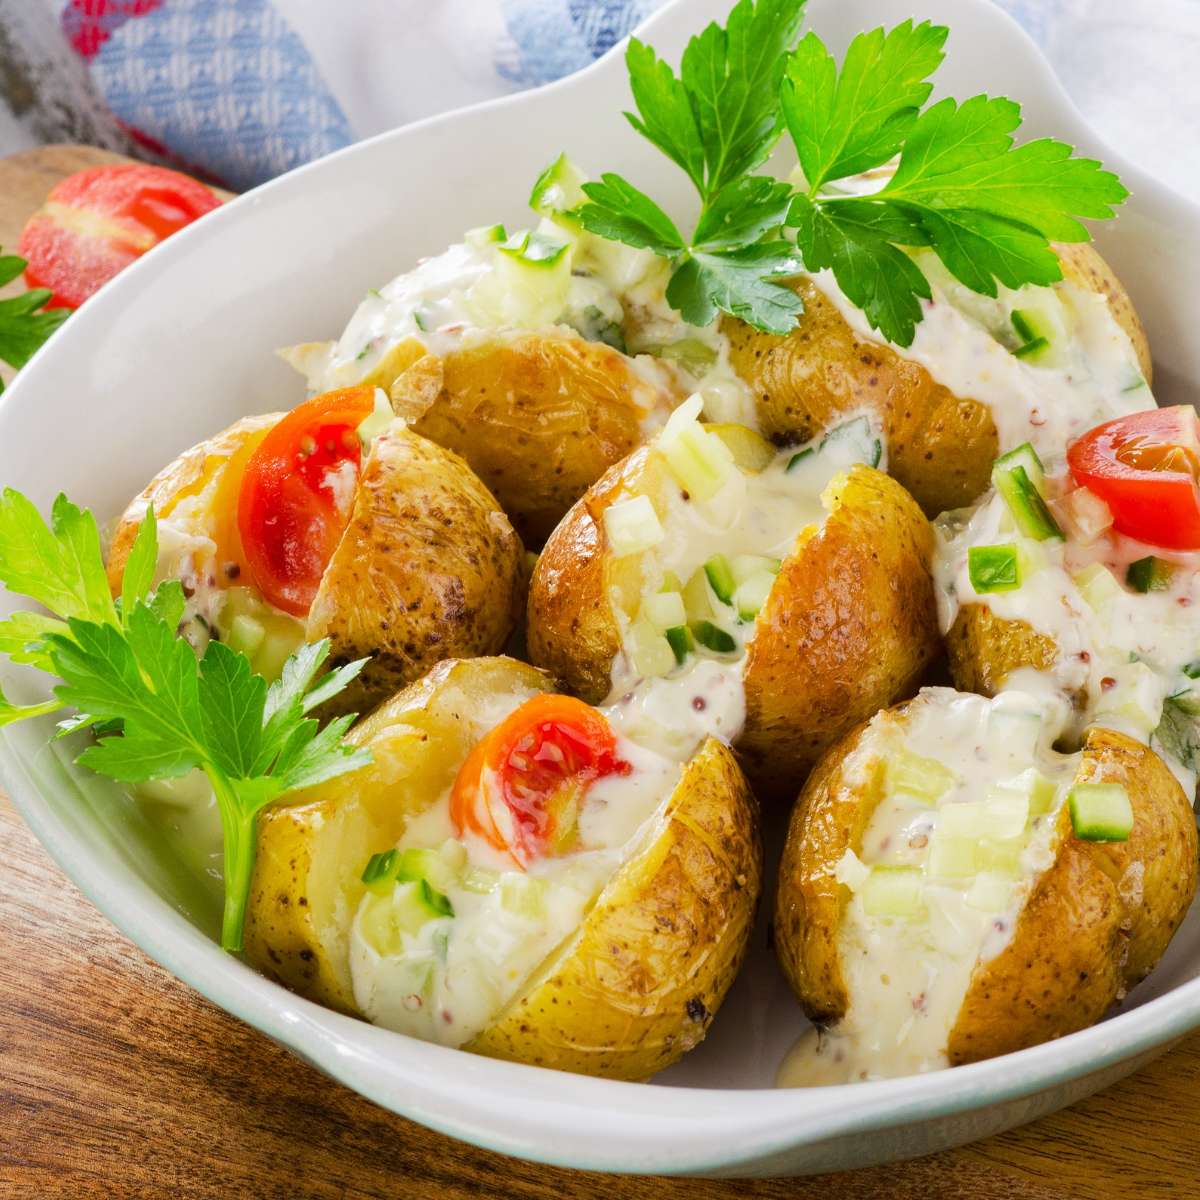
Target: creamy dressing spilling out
x,y
969,794
1122,654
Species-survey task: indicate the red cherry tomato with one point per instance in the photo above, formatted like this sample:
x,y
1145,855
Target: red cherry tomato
x,y
293,505
1146,468
96,222
522,786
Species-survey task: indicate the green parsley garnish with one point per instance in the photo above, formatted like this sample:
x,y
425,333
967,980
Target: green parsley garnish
x,y
158,711
987,207
23,327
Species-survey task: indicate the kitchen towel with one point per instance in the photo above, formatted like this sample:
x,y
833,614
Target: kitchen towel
x,y
241,90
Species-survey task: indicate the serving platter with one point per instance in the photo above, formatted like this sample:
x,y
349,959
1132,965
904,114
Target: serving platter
x,y
180,345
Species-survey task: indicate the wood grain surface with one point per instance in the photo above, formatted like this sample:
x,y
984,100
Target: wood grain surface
x,y
117,1081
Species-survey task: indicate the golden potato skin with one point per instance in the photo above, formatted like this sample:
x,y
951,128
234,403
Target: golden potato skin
x,y
940,446
302,896
428,568
1096,922
539,417
639,986
1086,933
849,626
187,475
984,649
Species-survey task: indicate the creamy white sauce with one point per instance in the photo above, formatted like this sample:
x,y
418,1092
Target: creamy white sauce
x,y
1121,659
457,973
906,976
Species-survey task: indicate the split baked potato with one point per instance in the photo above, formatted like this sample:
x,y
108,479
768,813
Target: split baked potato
x,y
946,847
848,623
940,445
422,563
624,993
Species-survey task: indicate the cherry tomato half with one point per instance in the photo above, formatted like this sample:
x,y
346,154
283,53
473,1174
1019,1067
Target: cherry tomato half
x,y
1146,468
522,786
96,222
294,502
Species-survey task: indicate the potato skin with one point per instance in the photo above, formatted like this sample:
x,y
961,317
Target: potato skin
x,y
428,568
655,957
539,417
187,475
940,446
1097,920
849,626
984,649
311,849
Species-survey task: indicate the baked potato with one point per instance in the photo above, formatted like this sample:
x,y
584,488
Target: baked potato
x,y
538,415
1004,893
840,618
606,954
1036,578
398,552
940,444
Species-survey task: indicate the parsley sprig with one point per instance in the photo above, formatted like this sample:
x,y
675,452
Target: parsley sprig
x,y
23,326
718,120
988,208
158,711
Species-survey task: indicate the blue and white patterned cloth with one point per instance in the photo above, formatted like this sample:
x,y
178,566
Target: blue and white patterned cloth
x,y
241,90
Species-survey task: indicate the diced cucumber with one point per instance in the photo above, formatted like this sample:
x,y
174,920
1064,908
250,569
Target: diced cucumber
x,y
649,651
1034,350
535,249
388,917
671,582
420,863
1150,574
700,462
713,637
990,893
751,595
246,635
664,610
963,819
479,881
1097,586
1039,792
993,568
632,526
679,638
800,458
1023,456
485,235
1084,515
952,857
720,578
693,355
852,442
1013,728
924,780
381,416
745,565
1041,324
559,190
1187,700
1025,503
523,896
529,283
751,451
380,871
1006,813
892,892
698,598
1137,696
1100,812
1192,670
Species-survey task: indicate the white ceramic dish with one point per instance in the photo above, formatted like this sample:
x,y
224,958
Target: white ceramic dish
x,y
181,344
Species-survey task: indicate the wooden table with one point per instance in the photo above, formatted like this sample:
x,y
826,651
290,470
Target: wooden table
x,y
117,1081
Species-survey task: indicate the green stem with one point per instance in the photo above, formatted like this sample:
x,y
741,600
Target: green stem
x,y
238,828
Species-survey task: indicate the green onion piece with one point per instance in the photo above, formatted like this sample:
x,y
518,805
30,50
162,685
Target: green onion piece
x,y
1025,456
713,637
1150,574
1100,812
679,638
382,867
994,568
436,901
